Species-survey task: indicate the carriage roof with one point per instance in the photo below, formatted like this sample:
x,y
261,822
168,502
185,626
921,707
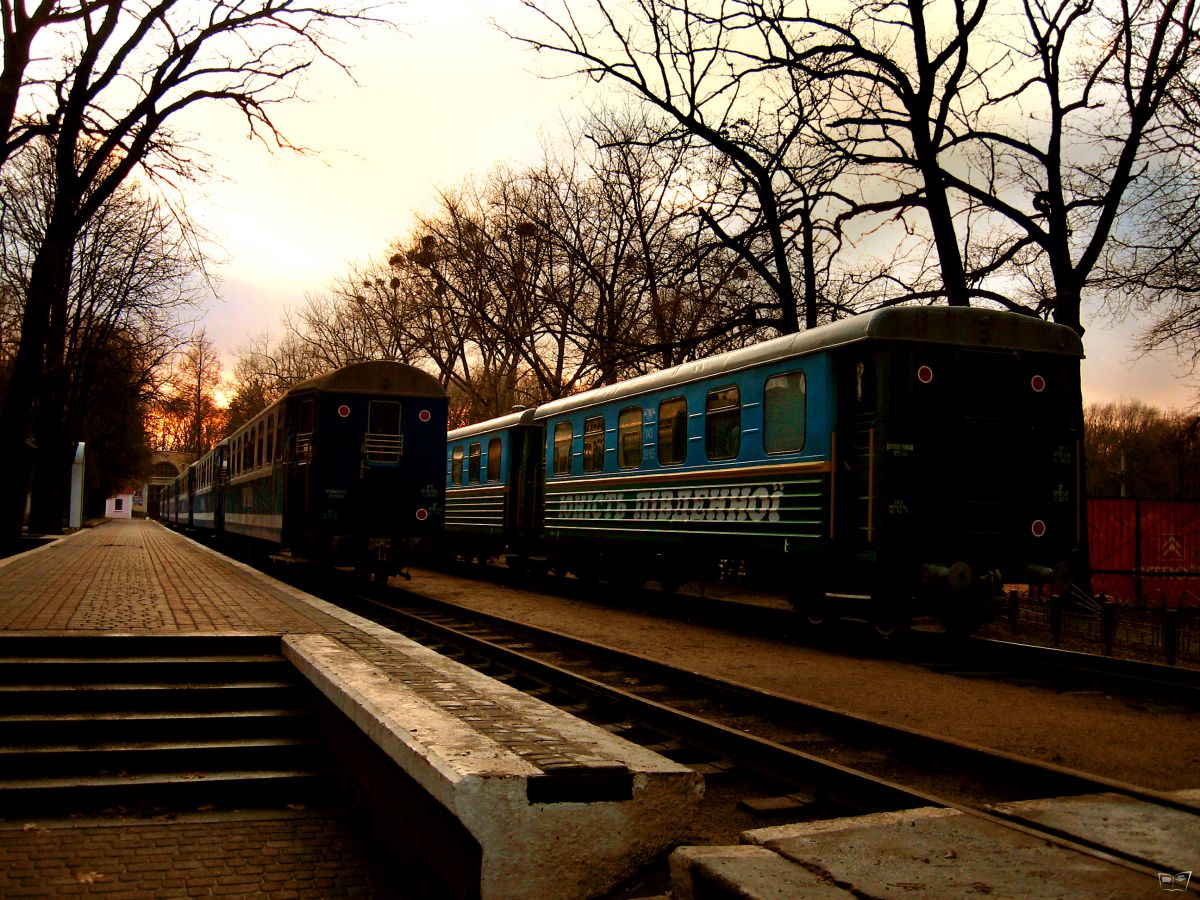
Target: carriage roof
x,y
960,326
377,376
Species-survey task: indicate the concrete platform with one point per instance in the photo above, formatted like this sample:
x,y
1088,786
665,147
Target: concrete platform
x,y
945,853
512,797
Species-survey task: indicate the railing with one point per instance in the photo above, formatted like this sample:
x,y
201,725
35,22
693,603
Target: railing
x,y
1102,625
383,448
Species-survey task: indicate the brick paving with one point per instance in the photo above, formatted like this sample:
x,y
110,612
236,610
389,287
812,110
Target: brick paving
x,y
137,577
285,855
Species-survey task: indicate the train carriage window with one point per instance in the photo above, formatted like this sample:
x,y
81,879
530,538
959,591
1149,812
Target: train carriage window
x,y
988,383
593,444
629,438
494,455
563,436
456,465
383,442
473,464
304,428
258,445
672,431
383,417
269,450
723,423
785,399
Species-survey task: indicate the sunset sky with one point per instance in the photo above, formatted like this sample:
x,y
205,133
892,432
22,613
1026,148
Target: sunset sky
x,y
447,98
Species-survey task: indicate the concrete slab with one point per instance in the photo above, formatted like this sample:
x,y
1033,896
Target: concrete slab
x,y
558,807
753,873
944,853
1166,838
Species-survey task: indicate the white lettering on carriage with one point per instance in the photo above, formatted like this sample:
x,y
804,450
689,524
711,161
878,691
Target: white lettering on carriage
x,y
737,504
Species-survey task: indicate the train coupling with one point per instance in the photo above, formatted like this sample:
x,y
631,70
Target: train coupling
x,y
1060,575
957,576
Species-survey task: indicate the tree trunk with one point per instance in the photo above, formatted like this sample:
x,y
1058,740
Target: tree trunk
x,y
52,464
48,282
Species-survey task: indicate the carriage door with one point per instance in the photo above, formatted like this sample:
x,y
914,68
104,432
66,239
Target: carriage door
x,y
297,507
983,439
526,481
382,451
855,513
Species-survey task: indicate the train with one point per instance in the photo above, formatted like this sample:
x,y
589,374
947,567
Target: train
x,y
905,462
345,469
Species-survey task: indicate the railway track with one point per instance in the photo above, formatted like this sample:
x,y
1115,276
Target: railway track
x,y
1165,687
767,758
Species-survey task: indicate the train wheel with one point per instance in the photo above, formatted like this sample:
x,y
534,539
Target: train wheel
x,y
813,607
963,614
888,621
669,584
965,617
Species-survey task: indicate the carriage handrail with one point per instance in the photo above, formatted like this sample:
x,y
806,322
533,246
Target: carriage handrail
x,y
383,448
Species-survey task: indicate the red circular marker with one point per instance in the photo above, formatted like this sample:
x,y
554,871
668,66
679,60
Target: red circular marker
x,y
1038,528
343,410
925,375
422,515
425,415
1038,383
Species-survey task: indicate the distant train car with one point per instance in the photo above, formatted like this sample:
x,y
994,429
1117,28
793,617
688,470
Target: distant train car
x,y
345,469
176,501
207,480
902,462
495,487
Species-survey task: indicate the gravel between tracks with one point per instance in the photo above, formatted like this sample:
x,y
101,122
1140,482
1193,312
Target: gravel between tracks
x,y
1092,732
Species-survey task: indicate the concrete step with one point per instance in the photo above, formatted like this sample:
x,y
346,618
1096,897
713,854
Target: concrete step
x,y
92,722
196,756
18,670
101,646
155,792
92,727
129,697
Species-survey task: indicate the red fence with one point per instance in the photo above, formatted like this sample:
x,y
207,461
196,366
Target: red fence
x,y
1146,552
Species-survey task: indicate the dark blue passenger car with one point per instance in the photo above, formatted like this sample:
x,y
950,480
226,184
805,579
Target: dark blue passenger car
x,y
345,469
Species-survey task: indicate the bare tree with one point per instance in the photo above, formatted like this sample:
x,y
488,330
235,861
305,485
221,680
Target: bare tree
x,y
187,413
262,373
1136,450
22,23
774,181
139,64
129,283
1021,149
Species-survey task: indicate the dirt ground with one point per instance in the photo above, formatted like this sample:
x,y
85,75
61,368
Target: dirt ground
x,y
1095,733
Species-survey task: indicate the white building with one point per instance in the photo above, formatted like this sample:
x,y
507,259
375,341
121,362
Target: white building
x,y
119,506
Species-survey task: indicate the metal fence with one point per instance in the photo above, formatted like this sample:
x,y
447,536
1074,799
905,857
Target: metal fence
x,y
1102,626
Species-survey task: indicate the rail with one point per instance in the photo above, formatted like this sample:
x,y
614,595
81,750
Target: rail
x,y
636,692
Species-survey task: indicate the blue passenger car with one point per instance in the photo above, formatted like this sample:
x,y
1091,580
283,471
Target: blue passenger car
x,y
494,487
900,462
